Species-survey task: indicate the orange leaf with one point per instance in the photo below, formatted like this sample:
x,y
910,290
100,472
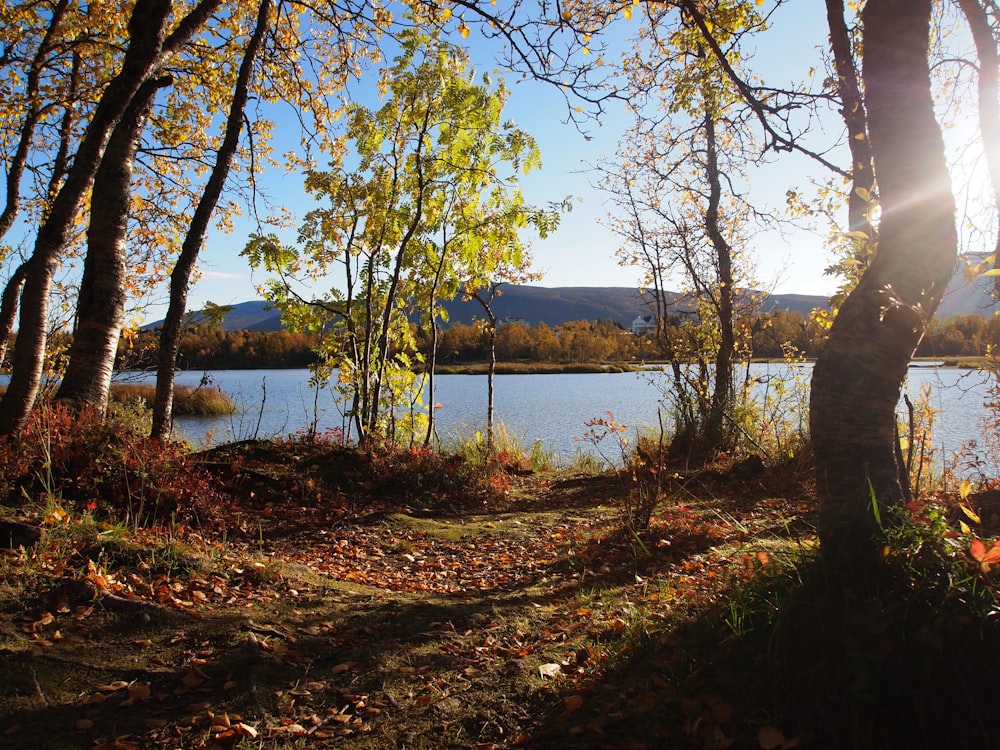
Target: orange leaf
x,y
980,554
993,555
978,550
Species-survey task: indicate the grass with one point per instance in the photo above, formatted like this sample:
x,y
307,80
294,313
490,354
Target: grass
x,y
537,457
972,363
188,400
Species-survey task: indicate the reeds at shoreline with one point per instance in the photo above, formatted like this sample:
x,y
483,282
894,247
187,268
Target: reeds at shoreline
x,y
189,401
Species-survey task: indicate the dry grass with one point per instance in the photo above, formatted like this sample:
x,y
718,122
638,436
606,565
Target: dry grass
x,y
188,400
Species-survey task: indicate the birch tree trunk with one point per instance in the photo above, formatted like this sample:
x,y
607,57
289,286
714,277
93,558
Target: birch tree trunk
x,y
858,377
100,308
180,276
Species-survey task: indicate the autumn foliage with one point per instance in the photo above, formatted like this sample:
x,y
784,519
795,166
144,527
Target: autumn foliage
x,y
76,461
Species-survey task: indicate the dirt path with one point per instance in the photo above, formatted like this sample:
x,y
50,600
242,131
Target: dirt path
x,y
543,624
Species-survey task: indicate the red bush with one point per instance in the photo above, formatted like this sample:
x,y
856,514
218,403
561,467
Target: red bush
x,y
109,466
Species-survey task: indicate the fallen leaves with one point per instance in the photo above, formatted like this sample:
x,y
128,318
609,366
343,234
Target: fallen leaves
x,y
549,670
425,564
485,631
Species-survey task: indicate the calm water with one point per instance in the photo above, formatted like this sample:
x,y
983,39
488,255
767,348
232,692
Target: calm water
x,y
552,409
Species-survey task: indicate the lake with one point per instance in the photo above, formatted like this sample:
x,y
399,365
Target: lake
x,y
552,408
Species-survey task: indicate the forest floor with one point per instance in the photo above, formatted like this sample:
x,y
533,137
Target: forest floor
x,y
330,618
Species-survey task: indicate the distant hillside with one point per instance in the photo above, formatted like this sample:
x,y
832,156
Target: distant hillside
x,y
243,316
557,305
967,297
532,304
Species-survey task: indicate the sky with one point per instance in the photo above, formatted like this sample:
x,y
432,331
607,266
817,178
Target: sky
x,y
582,251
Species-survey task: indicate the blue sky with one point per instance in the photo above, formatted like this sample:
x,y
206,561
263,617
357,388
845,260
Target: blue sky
x,y
581,252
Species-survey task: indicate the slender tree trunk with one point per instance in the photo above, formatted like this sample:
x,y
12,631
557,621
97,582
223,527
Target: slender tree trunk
x,y
180,276
858,377
432,362
19,159
60,162
722,390
8,307
367,352
487,303
989,105
393,288
491,373
146,29
354,339
856,119
100,309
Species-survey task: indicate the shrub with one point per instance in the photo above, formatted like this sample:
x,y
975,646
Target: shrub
x,y
106,466
441,479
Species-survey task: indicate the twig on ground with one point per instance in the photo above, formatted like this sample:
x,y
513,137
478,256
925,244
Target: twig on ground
x,y
38,688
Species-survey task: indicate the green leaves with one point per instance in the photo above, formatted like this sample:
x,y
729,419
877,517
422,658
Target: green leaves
x,y
428,202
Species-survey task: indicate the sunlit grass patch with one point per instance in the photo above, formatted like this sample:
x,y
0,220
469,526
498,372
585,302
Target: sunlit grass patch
x,y
505,451
188,400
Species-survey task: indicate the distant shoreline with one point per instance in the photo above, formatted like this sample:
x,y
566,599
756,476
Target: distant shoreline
x,y
584,368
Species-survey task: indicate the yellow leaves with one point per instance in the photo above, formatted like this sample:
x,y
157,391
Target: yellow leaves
x,y
56,515
463,30
97,577
964,490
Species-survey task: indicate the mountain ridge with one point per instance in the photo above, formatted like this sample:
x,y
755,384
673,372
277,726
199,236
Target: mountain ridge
x,y
559,305
524,303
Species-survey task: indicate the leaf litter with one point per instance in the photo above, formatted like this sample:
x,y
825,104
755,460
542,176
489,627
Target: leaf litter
x,y
327,619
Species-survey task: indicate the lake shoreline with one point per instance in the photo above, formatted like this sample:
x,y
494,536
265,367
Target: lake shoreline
x,y
602,368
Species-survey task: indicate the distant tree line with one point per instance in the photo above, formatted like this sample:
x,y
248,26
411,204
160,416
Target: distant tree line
x,y
960,336
775,334
209,347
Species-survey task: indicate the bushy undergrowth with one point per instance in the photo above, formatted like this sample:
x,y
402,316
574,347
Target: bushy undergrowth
x,y
109,467
442,479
